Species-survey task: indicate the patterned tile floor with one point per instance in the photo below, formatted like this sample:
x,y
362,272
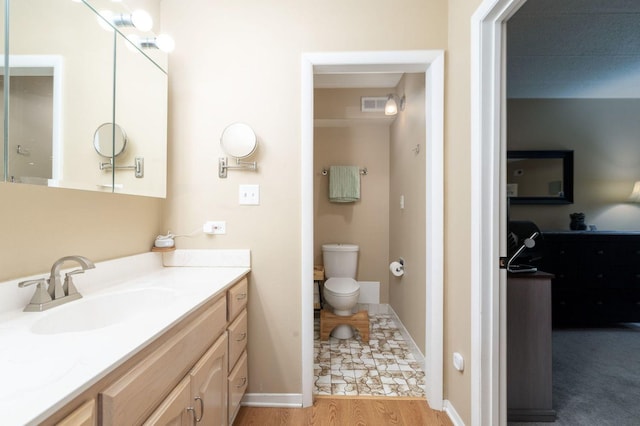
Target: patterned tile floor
x,y
384,367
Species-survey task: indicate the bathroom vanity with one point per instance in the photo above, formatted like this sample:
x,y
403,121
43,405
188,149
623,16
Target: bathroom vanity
x,y
178,354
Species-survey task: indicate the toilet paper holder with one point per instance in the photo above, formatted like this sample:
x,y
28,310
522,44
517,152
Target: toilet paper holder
x,y
397,267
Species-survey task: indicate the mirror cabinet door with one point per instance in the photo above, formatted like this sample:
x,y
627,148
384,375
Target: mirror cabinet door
x,y
65,69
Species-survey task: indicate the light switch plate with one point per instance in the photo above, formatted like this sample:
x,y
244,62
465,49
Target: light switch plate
x,y
249,195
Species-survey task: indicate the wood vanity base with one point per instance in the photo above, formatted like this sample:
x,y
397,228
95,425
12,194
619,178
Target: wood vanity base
x,y
329,321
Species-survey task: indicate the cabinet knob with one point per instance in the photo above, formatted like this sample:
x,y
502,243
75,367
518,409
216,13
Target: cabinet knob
x,y
241,296
241,337
243,382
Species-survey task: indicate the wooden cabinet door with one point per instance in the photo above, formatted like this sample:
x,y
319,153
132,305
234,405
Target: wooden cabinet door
x,y
85,415
209,385
173,410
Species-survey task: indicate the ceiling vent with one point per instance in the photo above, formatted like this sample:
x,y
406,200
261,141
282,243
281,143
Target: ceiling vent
x,y
372,103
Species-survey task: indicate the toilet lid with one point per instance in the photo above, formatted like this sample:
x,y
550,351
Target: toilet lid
x,y
342,285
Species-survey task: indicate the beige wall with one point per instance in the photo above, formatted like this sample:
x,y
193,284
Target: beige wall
x,y
365,222
241,62
408,225
40,225
457,213
603,133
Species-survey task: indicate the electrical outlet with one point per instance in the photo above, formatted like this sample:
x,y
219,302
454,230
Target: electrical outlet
x,y
249,195
214,228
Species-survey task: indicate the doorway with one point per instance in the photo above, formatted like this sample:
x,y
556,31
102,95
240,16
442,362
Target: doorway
x,y
432,64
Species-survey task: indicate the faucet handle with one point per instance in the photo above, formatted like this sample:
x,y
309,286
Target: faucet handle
x,y
68,287
41,295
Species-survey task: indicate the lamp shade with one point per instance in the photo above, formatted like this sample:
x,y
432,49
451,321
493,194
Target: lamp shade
x,y
391,107
635,193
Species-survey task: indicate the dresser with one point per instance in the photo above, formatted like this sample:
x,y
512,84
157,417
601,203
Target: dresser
x,y
597,276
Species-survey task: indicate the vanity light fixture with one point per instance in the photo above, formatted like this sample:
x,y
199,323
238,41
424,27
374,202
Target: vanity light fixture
x,y
635,193
163,42
393,104
139,19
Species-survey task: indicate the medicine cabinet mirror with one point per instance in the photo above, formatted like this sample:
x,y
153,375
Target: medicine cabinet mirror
x,y
66,76
540,177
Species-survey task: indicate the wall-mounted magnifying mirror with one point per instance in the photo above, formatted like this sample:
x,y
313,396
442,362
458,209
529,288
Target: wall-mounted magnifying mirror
x,y
238,140
109,140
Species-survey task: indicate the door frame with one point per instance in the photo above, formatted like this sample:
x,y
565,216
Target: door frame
x,y
431,62
488,207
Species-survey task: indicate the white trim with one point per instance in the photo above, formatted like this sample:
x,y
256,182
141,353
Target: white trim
x,y
284,400
413,347
431,62
452,413
488,384
306,250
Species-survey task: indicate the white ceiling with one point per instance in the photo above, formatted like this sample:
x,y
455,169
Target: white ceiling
x,y
574,49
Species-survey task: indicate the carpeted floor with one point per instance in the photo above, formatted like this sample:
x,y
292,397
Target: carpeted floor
x,y
596,377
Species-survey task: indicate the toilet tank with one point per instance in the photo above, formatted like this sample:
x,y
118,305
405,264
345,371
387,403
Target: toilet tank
x,y
340,260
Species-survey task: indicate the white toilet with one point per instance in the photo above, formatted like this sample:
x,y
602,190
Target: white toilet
x,y
341,290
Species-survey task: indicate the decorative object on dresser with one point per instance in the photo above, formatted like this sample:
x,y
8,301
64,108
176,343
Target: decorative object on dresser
x,y
577,222
597,276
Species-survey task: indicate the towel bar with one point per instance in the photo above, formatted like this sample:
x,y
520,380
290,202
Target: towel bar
x,y
363,172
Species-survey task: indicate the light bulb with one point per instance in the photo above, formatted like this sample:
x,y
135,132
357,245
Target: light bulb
x,y
142,20
391,107
165,43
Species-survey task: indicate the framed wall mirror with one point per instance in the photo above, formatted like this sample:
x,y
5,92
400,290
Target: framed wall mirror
x,y
63,86
540,177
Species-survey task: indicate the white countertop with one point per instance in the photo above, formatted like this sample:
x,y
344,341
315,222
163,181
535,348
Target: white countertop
x,y
39,373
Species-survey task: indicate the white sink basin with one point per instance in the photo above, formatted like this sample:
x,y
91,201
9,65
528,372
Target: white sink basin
x,y
102,311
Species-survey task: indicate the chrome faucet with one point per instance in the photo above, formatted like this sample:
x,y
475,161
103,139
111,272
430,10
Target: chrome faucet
x,y
57,292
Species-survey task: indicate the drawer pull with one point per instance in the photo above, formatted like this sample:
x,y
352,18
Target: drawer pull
x,y
244,382
193,410
241,296
242,337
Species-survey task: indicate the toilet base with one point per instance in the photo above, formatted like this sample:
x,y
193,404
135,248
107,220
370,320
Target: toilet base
x,y
329,321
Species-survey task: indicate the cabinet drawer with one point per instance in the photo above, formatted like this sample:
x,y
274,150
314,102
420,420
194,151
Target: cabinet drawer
x,y
237,298
134,396
237,338
237,385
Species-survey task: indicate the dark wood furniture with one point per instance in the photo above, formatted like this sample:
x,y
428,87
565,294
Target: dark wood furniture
x,y
597,276
529,368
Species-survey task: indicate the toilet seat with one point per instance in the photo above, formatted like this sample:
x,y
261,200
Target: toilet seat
x,y
341,286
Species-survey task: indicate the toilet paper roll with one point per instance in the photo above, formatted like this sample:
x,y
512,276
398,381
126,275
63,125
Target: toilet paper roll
x,y
396,269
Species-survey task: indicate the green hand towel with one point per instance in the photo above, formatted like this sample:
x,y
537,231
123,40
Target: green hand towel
x,y
344,184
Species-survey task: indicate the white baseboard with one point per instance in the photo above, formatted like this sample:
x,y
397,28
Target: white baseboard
x,y
415,350
284,400
452,413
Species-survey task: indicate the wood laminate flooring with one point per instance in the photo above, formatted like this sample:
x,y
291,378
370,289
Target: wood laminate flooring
x,y
347,411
